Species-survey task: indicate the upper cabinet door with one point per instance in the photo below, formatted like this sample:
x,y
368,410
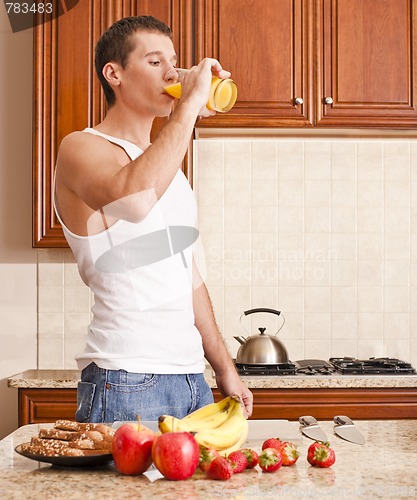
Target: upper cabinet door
x,y
265,44
366,59
67,94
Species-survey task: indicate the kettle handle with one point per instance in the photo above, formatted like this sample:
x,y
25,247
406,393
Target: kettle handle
x,y
262,309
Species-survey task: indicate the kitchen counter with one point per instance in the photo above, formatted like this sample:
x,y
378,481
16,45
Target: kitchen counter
x,y
384,467
45,395
62,379
45,379
332,381
68,379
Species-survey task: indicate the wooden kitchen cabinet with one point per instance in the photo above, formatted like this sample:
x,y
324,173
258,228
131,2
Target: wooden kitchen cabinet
x,y
48,405
366,63
267,46
366,404
288,58
325,63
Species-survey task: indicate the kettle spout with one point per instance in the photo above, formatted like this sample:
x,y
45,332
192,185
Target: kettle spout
x,y
240,339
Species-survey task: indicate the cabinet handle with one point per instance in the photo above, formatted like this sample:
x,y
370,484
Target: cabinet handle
x,y
298,100
328,100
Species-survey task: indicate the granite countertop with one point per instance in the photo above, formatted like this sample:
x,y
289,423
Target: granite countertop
x,y
67,379
383,467
62,379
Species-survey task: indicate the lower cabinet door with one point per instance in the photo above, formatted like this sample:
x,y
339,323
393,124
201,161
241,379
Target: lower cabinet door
x,y
46,405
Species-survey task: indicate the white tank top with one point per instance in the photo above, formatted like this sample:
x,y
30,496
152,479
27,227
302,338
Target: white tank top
x,y
141,278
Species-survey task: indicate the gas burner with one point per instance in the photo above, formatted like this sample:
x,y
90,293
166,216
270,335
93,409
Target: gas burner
x,y
314,367
277,369
371,366
310,370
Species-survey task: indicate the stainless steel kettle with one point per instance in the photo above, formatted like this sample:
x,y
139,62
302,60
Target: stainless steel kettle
x,y
262,349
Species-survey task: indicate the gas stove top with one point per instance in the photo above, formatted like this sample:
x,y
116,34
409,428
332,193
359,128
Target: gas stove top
x,y
343,366
372,366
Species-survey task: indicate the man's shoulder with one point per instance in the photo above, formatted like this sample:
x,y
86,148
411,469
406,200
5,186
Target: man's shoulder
x,y
77,137
79,142
72,140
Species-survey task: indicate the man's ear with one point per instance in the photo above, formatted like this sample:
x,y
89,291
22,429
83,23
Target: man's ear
x,y
111,72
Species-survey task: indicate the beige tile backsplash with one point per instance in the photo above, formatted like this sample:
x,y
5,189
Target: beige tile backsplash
x,y
323,230
64,304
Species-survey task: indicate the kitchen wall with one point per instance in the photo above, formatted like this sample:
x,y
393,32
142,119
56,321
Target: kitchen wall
x,y
64,304
324,230
18,260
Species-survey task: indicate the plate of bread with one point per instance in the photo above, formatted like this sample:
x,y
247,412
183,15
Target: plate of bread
x,y
70,444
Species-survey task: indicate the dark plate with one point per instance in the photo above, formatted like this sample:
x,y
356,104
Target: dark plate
x,y
89,461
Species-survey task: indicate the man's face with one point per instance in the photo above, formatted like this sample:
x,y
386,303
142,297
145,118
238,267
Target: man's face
x,y
149,68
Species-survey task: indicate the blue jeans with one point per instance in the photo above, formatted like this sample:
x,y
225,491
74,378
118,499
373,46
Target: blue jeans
x,y
117,395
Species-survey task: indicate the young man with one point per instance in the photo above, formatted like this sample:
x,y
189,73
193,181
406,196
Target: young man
x,y
129,216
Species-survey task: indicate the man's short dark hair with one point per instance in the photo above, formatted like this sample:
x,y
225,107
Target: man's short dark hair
x,y
115,44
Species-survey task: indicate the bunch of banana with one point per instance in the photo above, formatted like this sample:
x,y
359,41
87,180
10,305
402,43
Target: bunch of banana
x,y
207,417
221,426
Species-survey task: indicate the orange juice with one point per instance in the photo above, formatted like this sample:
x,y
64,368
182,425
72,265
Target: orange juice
x,y
223,93
174,90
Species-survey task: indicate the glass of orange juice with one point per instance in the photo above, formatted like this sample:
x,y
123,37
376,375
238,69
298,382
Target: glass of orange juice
x,y
223,93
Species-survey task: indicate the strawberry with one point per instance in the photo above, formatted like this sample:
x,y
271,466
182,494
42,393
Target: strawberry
x,y
272,443
251,456
220,468
289,453
321,455
206,457
238,460
311,452
270,460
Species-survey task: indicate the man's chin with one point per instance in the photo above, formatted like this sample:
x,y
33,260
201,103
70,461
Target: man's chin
x,y
164,111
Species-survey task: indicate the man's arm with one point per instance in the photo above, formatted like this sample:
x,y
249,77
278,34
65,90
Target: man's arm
x,y
228,380
87,167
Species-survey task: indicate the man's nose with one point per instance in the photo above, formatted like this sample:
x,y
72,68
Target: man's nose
x,y
172,75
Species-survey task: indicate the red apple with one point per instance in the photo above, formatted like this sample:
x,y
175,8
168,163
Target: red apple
x,y
132,448
176,455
